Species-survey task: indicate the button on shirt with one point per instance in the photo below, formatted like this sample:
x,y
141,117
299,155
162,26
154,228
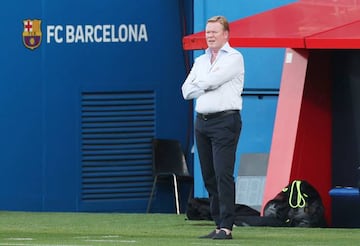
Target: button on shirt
x,y
217,86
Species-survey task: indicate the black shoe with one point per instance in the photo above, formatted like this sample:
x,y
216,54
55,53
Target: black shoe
x,y
210,235
222,235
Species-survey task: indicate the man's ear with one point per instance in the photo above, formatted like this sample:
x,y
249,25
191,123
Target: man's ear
x,y
226,34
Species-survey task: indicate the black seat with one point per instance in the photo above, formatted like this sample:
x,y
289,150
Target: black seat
x,y
169,161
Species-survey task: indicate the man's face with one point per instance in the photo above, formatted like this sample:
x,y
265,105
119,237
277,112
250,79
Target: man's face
x,y
215,35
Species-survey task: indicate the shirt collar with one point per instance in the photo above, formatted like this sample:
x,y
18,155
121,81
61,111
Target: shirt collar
x,y
226,48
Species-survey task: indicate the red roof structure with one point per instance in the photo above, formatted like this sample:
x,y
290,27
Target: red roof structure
x,y
310,24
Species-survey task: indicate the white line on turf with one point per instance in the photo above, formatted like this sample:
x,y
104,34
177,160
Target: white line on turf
x,y
20,238
15,244
110,241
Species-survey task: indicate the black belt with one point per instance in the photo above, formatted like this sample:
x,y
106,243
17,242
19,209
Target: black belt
x,y
217,114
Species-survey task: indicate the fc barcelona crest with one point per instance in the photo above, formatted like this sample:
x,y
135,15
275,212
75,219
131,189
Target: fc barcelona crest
x,y
32,33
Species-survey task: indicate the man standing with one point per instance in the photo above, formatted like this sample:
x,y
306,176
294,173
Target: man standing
x,y
216,80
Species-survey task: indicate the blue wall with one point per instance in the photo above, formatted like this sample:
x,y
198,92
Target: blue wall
x,y
77,117
263,68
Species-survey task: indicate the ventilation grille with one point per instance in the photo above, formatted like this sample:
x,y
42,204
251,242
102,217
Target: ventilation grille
x,y
117,129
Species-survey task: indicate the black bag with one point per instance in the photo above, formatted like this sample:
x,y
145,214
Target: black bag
x,y
297,205
199,209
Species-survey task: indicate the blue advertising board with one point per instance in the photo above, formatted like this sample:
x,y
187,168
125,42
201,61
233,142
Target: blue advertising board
x,y
85,86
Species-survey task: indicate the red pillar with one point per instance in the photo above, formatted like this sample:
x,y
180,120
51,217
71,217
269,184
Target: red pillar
x,y
301,144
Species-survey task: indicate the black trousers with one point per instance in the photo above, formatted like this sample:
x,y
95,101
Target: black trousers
x,y
216,141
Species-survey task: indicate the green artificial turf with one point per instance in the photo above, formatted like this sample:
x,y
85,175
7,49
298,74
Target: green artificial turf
x,y
70,229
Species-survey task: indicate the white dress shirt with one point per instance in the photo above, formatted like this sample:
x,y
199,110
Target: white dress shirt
x,y
217,86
